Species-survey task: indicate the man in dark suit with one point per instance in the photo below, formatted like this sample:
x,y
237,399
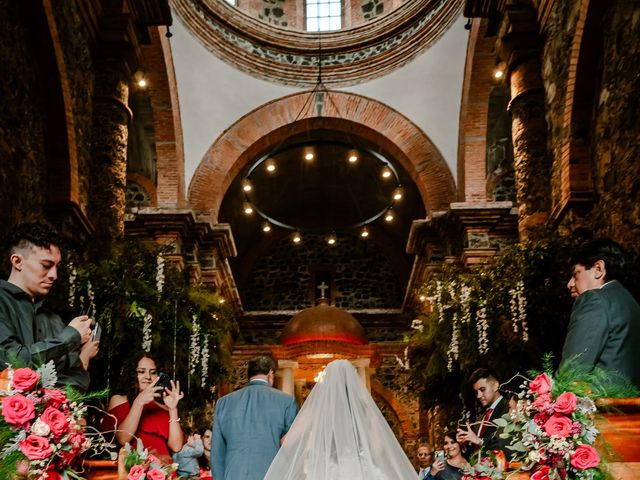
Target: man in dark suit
x,y
487,435
249,425
604,329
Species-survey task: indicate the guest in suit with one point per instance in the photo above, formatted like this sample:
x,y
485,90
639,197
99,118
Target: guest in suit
x,y
487,435
425,459
604,329
249,425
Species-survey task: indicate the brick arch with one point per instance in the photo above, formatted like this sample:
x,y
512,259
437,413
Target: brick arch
x,y
408,432
363,117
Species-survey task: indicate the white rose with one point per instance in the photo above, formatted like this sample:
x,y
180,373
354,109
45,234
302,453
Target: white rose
x,y
40,428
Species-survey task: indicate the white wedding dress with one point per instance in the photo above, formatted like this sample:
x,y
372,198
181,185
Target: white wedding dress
x,y
340,434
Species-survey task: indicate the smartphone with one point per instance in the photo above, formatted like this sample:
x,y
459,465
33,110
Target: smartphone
x,y
91,313
440,455
97,331
163,380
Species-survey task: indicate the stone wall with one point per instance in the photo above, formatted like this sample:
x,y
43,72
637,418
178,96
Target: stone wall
x,y
22,147
283,279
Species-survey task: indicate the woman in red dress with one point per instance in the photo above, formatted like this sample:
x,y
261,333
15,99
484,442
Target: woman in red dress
x,y
138,413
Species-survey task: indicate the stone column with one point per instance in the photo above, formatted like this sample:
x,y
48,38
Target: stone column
x,y
299,385
111,117
529,135
362,366
285,371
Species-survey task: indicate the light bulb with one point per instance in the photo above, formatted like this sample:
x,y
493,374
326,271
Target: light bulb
x,y
498,74
142,83
270,165
246,185
353,156
266,227
386,173
331,239
308,156
297,238
248,209
397,194
389,216
364,233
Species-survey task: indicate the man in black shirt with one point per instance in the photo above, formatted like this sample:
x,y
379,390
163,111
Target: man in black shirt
x,y
28,331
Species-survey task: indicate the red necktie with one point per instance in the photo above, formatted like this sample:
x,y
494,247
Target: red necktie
x,y
485,420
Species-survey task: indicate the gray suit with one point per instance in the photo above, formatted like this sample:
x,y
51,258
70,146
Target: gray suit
x,y
247,429
605,330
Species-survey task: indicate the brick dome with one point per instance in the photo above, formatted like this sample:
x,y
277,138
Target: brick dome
x,y
323,323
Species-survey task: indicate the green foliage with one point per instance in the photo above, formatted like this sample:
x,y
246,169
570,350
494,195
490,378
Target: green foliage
x,y
124,287
542,268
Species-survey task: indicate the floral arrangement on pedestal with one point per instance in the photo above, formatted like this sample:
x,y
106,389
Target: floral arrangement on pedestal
x,y
41,426
141,465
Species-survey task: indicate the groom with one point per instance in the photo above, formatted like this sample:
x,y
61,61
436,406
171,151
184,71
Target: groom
x,y
249,425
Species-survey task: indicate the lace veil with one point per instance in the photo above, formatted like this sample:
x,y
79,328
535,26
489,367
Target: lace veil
x,y
340,434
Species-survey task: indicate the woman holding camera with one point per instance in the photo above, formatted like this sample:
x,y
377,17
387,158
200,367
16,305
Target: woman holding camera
x,y
146,409
449,469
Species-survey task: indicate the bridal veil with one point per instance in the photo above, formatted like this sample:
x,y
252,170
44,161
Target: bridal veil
x,y
340,434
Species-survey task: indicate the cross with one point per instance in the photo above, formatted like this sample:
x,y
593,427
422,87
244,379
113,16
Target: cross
x,y
322,287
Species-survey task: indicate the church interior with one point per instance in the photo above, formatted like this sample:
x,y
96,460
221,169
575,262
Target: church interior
x,y
315,164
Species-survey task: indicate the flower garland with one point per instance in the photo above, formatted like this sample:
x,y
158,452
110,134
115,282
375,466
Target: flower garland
x,y
517,307
194,346
438,300
404,362
482,327
72,284
146,330
160,273
204,361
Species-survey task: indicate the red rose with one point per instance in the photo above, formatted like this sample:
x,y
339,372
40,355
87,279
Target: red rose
x,y
57,421
156,474
25,379
585,457
17,409
136,472
566,403
558,425
36,448
55,397
541,384
542,402
541,474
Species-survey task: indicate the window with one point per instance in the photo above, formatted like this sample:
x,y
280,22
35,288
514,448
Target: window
x,y
324,15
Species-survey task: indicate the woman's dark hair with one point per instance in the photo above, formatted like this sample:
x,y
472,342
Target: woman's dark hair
x,y
451,434
128,381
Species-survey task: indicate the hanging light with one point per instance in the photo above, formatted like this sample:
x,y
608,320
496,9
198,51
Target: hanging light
x,y
397,193
389,216
266,227
386,172
331,239
297,237
308,155
140,79
364,233
353,156
247,208
221,300
246,185
270,165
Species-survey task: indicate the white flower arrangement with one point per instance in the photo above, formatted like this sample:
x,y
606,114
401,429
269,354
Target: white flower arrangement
x,y
204,362
194,346
160,273
518,309
146,330
482,327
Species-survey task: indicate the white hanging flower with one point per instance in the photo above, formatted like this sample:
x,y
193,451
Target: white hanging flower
x,y
439,304
482,326
194,346
454,347
204,361
73,274
465,303
404,362
160,273
146,330
92,298
517,308
417,324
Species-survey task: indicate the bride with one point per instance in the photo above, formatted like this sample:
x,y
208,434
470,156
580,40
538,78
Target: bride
x,y
340,434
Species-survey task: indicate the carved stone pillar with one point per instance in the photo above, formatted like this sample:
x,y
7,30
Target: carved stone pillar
x,y
531,160
285,371
111,117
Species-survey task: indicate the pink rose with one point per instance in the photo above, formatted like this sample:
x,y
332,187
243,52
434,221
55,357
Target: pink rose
x,y
541,384
156,474
558,425
55,397
25,379
585,457
36,448
566,403
136,472
541,474
57,421
542,402
17,410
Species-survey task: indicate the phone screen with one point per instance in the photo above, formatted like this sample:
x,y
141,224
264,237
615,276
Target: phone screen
x,y
97,331
439,455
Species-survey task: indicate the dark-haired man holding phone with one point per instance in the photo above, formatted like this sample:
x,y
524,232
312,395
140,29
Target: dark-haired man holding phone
x,y
29,332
